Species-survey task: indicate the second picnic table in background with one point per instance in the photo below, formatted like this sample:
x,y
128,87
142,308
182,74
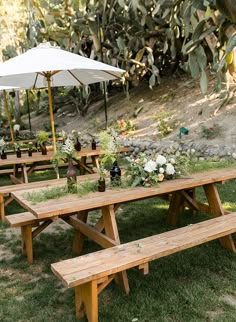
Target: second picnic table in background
x,y
38,159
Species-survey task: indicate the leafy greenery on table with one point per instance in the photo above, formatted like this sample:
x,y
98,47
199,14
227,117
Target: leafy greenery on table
x,y
83,189
60,191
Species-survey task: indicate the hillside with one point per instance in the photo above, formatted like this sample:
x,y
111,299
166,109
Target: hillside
x,y
176,102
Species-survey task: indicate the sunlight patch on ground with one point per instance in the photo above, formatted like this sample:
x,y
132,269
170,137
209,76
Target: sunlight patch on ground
x,y
229,299
230,206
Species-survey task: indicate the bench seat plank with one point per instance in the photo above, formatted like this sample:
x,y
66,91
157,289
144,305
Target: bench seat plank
x,y
5,191
83,269
21,219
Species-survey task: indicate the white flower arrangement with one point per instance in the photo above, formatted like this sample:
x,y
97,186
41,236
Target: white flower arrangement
x,y
2,145
68,147
110,144
148,171
65,151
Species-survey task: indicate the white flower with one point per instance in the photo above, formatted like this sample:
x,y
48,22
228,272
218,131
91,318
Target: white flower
x,y
68,147
161,170
150,166
161,160
172,161
63,134
170,169
111,146
160,177
129,159
2,142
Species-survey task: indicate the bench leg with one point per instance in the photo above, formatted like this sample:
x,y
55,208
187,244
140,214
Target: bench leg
x,y
2,208
27,242
79,237
87,295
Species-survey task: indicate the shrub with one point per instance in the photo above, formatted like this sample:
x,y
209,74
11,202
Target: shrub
x,y
124,126
211,132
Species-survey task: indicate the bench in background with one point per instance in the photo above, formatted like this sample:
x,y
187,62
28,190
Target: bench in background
x,y
5,191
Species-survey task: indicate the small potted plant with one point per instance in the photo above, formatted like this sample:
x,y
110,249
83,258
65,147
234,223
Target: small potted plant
x,y
66,153
102,175
41,139
18,151
30,149
110,145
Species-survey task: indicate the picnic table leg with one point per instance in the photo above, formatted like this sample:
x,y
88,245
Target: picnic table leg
x,y
27,242
57,172
95,161
216,210
15,170
2,208
79,237
111,231
83,161
175,207
87,295
24,173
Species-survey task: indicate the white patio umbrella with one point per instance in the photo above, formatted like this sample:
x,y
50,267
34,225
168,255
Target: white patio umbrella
x,y
49,66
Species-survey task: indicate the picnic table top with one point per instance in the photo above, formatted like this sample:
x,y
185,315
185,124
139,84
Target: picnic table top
x,y
72,203
38,157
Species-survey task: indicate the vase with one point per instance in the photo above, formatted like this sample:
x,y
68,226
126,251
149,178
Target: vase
x,y
43,149
30,152
71,177
101,185
18,153
78,145
94,145
115,174
3,155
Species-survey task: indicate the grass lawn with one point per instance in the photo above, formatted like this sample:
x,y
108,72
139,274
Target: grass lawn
x,y
198,284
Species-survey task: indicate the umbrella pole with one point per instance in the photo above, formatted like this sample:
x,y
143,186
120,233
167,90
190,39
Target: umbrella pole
x,y
48,76
28,108
51,112
105,104
9,117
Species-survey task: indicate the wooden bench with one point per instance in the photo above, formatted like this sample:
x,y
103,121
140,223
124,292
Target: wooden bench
x,y
90,274
26,221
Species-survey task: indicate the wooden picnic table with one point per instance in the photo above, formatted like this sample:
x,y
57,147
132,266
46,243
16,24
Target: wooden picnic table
x,y
29,164
105,231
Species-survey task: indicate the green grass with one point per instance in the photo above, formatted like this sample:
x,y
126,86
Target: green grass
x,y
185,287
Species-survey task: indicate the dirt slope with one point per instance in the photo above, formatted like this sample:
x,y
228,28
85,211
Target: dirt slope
x,y
176,100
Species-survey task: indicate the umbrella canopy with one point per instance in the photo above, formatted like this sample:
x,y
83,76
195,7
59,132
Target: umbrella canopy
x,y
49,66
